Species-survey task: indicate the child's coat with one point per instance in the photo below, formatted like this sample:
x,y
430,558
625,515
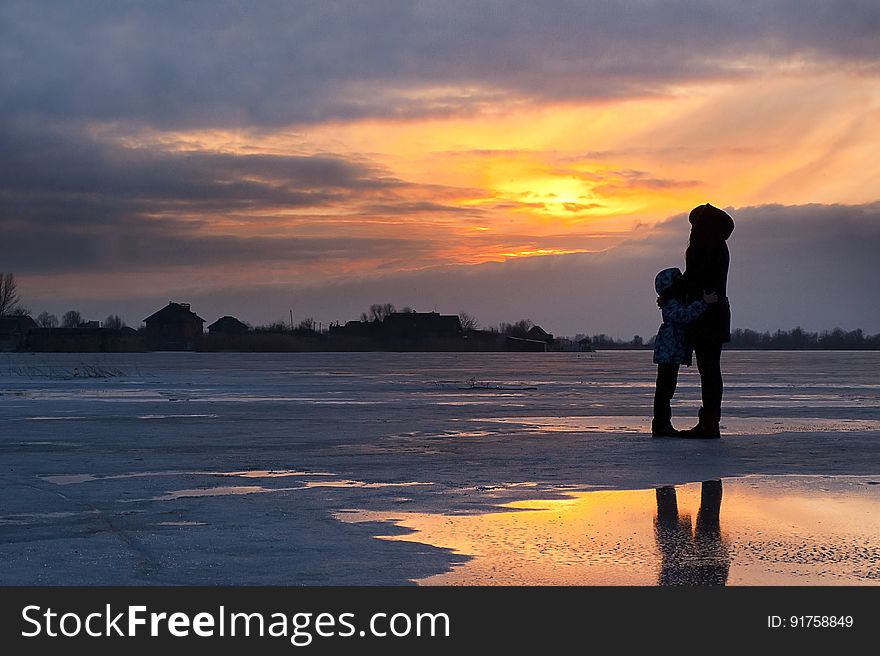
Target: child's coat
x,y
671,345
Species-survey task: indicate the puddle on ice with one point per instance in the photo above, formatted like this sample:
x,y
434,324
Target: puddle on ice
x,y
730,425
258,489
25,519
360,484
446,434
71,479
74,479
250,398
269,473
804,530
178,416
221,491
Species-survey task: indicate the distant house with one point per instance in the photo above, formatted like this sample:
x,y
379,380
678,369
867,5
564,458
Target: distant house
x,y
585,344
14,330
413,325
228,326
512,343
88,337
539,334
403,326
173,328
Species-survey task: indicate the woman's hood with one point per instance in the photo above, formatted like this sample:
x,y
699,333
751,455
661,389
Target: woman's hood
x,y
712,220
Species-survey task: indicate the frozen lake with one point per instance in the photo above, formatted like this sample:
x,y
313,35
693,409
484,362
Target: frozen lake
x,y
286,468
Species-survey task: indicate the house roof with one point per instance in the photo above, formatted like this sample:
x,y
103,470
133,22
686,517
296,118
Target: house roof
x,y
174,313
228,322
16,322
536,332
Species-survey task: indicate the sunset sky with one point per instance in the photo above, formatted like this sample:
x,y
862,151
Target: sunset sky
x,y
507,159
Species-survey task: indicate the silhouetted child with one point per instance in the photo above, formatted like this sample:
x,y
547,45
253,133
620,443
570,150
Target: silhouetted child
x,y
671,349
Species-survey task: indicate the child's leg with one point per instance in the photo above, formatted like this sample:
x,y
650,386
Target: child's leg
x,y
667,379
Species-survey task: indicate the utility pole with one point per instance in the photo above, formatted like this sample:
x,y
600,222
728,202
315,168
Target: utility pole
x,y
291,318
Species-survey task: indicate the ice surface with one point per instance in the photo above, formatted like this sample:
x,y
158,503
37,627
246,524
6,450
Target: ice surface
x,y
234,468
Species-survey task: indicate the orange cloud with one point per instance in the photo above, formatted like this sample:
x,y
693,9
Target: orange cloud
x,y
530,179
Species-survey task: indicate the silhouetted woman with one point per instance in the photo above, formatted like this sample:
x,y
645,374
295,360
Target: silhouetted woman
x,y
708,260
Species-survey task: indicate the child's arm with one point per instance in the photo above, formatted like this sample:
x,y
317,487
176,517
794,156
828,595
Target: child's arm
x,y
680,313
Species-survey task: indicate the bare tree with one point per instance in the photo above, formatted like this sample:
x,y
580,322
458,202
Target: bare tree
x,y
46,320
518,329
279,326
114,322
9,298
307,324
378,312
468,321
71,319
383,310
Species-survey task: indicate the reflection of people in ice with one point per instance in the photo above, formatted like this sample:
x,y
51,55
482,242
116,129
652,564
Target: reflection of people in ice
x,y
689,557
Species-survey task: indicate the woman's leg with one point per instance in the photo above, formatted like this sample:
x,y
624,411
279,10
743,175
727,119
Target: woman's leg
x,y
711,382
709,364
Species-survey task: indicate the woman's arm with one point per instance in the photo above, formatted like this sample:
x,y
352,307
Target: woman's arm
x,y
676,312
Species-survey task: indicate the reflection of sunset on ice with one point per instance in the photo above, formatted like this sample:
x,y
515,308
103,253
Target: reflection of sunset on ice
x,y
773,531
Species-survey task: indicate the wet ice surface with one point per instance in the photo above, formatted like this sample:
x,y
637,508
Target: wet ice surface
x,y
252,468
805,530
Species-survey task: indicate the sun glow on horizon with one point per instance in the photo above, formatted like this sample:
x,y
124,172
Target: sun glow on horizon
x,y
527,180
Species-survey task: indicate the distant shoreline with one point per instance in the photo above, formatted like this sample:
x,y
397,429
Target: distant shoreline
x,y
425,350
397,332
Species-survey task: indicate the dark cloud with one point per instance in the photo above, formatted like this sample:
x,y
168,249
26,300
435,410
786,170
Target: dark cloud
x,y
174,64
156,246
70,203
57,161
810,265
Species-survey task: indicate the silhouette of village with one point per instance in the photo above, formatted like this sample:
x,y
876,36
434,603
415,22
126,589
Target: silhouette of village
x,y
177,327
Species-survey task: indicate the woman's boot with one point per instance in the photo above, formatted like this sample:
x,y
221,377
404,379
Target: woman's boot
x,y
707,429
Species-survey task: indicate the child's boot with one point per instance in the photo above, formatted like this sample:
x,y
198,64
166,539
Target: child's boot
x,y
661,424
663,428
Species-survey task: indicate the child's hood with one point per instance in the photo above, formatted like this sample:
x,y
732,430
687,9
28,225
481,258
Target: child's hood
x,y
666,278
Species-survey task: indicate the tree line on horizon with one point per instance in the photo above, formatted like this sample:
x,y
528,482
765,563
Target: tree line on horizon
x,y
796,339
742,338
